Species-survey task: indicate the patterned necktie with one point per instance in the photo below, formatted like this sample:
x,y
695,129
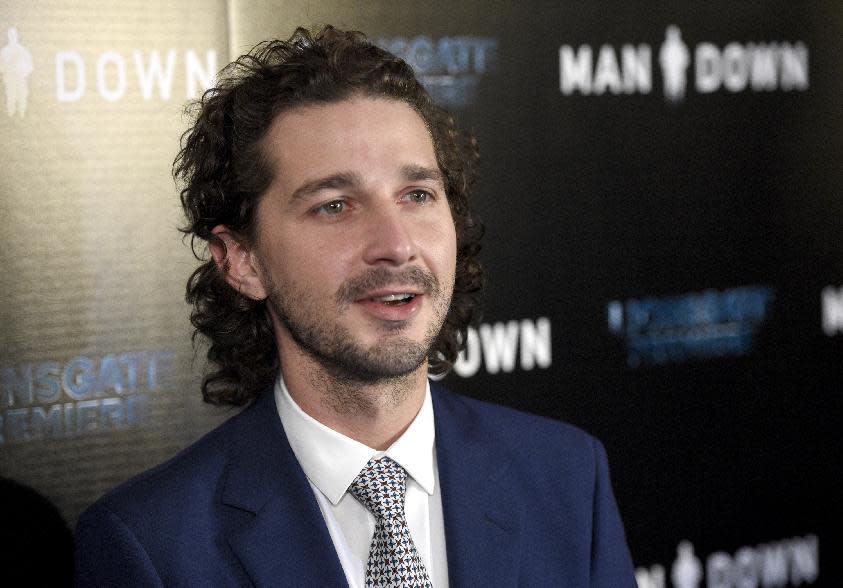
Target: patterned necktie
x,y
394,561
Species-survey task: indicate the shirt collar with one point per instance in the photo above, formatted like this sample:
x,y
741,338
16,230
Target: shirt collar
x,y
331,460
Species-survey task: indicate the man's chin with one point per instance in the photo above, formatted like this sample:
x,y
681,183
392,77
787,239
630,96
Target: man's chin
x,y
384,361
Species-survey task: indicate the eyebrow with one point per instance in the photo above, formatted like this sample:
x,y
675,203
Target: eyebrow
x,y
418,173
336,181
343,180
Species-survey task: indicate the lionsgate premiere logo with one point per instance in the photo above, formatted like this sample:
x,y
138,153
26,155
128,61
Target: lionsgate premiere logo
x,y
449,68
109,75
788,562
704,68
699,325
83,396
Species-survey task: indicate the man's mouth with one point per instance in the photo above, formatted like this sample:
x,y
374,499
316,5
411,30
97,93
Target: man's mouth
x,y
396,303
388,289
395,299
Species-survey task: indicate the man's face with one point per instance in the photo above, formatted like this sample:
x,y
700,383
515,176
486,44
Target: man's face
x,y
356,246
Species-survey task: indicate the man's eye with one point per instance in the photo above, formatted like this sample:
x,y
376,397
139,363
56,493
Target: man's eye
x,y
419,196
331,208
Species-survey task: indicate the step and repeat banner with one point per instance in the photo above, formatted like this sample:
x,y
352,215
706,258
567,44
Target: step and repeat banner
x,y
664,247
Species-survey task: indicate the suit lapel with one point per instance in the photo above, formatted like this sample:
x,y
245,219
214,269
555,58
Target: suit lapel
x,y
479,502
280,535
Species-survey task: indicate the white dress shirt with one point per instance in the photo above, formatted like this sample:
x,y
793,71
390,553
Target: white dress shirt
x,y
331,461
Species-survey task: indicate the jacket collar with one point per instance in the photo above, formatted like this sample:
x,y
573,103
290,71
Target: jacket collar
x,y
280,515
281,538
479,501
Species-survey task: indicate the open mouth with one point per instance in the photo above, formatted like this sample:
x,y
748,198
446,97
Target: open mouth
x,y
395,299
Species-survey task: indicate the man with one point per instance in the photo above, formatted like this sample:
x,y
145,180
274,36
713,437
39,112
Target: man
x,y
333,195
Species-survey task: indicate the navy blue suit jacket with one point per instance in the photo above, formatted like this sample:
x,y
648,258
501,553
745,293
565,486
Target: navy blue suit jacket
x,y
527,502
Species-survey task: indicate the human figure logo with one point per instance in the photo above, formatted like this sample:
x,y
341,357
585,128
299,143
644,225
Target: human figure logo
x,y
674,59
687,569
15,65
832,299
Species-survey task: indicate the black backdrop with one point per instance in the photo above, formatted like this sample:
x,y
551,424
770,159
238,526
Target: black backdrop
x,y
721,216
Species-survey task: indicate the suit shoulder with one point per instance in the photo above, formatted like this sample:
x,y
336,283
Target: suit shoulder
x,y
518,429
190,474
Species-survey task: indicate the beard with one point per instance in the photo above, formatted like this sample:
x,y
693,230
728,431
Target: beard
x,y
344,358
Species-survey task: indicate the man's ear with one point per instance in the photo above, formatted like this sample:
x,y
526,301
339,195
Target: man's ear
x,y
235,260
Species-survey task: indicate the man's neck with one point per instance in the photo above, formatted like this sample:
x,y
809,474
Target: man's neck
x,y
374,414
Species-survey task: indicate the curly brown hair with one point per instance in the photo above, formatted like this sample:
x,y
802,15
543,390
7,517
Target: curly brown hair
x,y
225,172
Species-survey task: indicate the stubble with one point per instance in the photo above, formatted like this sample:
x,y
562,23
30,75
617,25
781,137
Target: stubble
x,y
343,369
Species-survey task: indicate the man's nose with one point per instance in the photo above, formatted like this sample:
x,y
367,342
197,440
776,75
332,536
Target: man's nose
x,y
389,238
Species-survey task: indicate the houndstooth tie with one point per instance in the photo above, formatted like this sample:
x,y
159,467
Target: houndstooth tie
x,y
394,561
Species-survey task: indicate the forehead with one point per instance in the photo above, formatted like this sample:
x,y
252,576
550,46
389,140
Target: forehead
x,y
373,137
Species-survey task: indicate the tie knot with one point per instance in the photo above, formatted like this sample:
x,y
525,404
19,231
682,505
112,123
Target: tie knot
x,y
381,486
